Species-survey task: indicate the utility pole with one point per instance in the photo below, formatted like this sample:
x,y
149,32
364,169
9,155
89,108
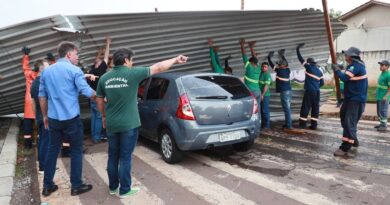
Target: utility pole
x,y
242,5
331,45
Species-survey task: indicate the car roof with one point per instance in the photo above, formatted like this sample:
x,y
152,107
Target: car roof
x,y
176,75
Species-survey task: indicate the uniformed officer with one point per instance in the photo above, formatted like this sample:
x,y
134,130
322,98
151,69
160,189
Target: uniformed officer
x,y
311,99
383,95
355,97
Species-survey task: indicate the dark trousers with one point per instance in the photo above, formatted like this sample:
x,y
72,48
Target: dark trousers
x,y
350,114
73,130
265,112
311,101
382,106
43,144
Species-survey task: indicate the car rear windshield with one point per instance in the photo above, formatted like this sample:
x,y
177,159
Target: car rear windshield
x,y
214,87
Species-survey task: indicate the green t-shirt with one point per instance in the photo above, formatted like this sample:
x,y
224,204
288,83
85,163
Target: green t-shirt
x,y
120,87
215,62
265,79
252,75
383,85
341,84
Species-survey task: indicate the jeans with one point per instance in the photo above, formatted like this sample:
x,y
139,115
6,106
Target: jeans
x,y
257,95
310,102
43,144
265,112
382,106
285,98
73,130
120,149
96,122
350,114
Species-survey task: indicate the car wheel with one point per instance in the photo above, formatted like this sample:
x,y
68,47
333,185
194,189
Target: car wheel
x,y
169,150
244,146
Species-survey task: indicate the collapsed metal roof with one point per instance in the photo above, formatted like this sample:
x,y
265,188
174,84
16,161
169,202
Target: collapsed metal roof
x,y
158,36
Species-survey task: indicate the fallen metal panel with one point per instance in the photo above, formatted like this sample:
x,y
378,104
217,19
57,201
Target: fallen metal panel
x,y
158,36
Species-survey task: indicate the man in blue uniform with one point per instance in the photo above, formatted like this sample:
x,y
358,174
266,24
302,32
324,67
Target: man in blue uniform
x,y
283,85
311,99
355,97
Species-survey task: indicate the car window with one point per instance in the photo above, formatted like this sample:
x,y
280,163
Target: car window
x,y
141,88
157,89
215,87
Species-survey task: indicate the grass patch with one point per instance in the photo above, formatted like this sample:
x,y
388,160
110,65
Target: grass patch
x,y
22,153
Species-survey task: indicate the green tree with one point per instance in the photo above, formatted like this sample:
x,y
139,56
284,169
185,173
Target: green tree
x,y
334,14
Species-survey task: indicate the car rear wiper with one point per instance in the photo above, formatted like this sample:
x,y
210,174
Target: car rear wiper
x,y
212,97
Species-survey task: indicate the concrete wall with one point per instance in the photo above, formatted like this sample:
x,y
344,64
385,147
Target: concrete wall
x,y
375,16
371,59
369,31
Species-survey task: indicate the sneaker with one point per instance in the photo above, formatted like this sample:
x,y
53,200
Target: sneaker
x,y
113,192
378,126
356,143
382,128
40,171
341,153
132,192
47,191
104,139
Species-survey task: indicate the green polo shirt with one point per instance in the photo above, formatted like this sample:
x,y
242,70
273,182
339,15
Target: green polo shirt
x,y
265,79
383,85
119,87
252,75
215,62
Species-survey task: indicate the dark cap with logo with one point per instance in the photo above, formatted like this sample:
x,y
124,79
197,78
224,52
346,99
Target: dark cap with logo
x,y
352,51
384,62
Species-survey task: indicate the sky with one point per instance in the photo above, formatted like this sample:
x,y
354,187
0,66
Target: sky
x,y
17,11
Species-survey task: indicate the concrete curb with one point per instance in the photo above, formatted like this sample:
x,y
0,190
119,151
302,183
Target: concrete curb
x,y
7,162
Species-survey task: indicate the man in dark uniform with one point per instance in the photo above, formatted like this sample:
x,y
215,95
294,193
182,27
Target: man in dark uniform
x,y
311,99
283,86
355,97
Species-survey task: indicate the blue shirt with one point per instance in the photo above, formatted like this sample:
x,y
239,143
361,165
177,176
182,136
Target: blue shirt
x,y
314,77
282,85
61,84
312,83
355,90
34,95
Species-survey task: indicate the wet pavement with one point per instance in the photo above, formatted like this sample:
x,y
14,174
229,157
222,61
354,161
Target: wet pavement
x,y
281,168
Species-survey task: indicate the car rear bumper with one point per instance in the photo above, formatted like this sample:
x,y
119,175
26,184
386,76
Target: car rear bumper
x,y
192,136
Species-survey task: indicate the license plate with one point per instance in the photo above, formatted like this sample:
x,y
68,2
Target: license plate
x,y
230,136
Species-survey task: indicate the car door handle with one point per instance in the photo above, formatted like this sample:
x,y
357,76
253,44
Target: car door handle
x,y
156,110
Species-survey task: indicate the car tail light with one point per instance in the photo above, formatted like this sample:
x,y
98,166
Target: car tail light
x,y
255,105
184,111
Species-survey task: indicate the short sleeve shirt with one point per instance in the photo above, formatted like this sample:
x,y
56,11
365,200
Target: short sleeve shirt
x,y
265,79
252,75
120,87
383,85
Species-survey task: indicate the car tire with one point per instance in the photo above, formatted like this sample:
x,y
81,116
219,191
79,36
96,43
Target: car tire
x,y
169,151
244,146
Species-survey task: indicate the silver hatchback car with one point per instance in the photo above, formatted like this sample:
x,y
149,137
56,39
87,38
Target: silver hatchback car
x,y
185,112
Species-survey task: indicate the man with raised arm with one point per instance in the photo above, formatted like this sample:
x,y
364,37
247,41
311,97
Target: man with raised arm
x,y
311,99
121,117
283,85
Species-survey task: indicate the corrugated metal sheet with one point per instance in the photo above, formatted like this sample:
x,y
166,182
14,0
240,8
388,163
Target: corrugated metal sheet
x,y
157,36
